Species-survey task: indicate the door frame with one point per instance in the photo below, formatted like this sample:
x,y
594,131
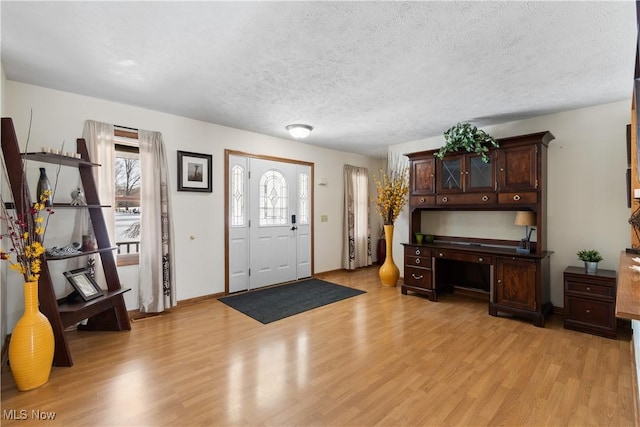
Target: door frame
x,y
228,153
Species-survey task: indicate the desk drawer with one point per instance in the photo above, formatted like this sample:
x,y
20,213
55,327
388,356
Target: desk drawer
x,y
417,251
517,198
416,261
589,312
460,256
590,289
467,199
419,277
422,201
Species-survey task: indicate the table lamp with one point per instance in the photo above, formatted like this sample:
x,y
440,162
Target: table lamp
x,y
526,218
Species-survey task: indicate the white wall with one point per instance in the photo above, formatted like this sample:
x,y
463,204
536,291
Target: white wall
x,y
587,199
59,116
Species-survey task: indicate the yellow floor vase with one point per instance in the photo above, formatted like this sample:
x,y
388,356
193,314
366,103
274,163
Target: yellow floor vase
x,y
32,344
389,272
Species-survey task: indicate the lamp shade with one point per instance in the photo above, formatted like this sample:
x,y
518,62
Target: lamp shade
x,y
299,130
525,218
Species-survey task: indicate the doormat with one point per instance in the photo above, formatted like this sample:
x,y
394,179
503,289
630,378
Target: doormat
x,y
269,305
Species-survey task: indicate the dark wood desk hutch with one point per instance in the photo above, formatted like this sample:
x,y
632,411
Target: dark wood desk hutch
x,y
513,180
107,312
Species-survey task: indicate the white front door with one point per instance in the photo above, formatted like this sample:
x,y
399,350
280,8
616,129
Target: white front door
x,y
270,230
272,195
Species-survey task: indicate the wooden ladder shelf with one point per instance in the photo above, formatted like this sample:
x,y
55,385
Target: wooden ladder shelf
x,y
105,313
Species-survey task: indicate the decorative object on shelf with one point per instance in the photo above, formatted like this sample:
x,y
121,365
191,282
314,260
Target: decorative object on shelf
x,y
31,346
194,172
526,218
428,238
91,266
419,237
84,283
591,258
43,186
77,197
88,243
468,137
71,249
392,187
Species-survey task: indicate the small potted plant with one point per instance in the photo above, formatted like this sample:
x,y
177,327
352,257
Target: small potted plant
x,y
591,258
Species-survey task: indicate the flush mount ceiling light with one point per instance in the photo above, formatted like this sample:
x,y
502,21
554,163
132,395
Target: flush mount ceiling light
x,y
299,131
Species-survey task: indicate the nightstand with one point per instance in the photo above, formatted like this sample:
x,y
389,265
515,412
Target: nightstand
x,y
590,301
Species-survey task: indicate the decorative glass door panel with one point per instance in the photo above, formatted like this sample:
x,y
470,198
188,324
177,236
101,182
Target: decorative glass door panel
x,y
450,176
480,175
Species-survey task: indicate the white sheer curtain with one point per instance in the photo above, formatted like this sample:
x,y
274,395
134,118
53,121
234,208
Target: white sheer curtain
x,y
99,139
356,248
157,277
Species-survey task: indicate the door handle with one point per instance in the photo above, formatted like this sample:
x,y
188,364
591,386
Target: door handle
x,y
294,228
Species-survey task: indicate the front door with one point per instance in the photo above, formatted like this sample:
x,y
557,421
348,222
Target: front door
x,y
273,244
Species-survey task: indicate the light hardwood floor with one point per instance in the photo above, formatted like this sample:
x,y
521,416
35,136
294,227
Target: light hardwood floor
x,y
379,358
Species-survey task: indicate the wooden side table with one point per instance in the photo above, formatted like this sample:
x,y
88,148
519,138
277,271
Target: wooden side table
x,y
590,301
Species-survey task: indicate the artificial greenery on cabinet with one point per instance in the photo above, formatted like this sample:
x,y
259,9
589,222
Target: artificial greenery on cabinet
x,y
465,136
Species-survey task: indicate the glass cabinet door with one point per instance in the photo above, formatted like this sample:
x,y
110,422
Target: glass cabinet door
x,y
450,176
479,175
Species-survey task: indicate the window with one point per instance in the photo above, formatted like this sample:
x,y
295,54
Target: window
x,y
128,204
274,201
303,199
237,196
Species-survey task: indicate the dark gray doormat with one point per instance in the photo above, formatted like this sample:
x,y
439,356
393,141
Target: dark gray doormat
x,y
271,304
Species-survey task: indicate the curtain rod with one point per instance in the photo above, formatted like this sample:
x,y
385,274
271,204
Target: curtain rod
x,y
125,127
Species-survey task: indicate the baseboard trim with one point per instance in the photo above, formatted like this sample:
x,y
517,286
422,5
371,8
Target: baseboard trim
x,y
339,270
198,300
137,315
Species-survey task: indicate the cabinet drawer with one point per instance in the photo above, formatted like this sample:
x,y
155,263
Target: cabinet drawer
x,y
517,198
417,251
418,261
458,256
466,199
419,277
422,201
591,289
589,312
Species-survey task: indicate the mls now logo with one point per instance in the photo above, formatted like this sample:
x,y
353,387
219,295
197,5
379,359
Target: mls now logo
x,y
23,414
15,414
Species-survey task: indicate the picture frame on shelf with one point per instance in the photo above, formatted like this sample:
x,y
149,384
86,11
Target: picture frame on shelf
x,y
194,172
82,282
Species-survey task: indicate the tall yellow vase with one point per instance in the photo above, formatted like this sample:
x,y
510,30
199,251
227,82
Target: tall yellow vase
x,y
389,272
31,346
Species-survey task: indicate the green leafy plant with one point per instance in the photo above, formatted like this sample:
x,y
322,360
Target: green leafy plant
x,y
589,255
468,137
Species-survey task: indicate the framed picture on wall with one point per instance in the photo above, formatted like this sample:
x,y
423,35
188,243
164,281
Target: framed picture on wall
x,y
82,282
194,172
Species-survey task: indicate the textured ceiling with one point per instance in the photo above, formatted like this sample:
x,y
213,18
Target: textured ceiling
x,y
364,74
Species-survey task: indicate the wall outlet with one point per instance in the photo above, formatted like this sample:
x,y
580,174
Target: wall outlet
x,y
324,218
